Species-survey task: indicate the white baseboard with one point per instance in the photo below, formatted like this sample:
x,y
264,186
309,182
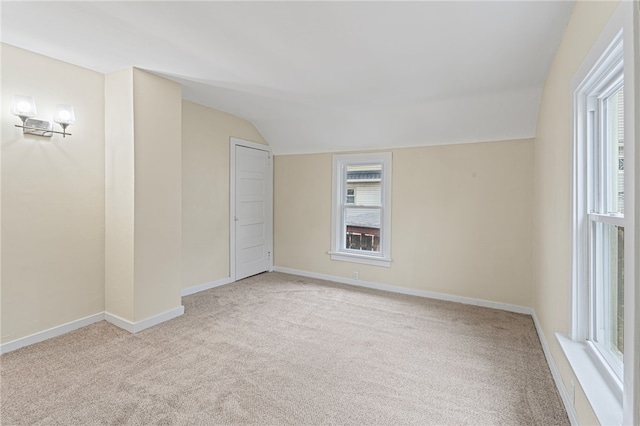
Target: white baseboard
x,y
555,373
50,333
206,286
83,322
134,327
119,322
410,291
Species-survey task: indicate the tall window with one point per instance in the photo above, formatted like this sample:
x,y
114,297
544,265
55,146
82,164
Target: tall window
x,y
362,208
600,224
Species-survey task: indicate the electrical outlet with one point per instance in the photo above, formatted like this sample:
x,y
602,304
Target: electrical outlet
x,y
355,275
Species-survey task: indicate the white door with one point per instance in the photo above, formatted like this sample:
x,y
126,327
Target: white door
x,y
252,216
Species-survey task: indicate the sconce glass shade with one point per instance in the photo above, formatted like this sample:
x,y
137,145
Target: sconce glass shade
x,y
64,115
23,106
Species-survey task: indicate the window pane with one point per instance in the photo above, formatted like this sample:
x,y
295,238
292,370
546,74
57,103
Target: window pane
x,y
616,291
609,300
614,134
351,195
362,229
364,184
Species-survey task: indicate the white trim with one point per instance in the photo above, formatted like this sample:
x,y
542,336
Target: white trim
x,y
119,322
603,399
601,48
233,142
567,400
50,333
59,330
135,327
206,286
631,357
632,288
409,291
608,219
360,258
337,251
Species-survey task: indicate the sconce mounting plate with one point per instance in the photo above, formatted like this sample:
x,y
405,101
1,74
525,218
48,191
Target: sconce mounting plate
x,y
33,126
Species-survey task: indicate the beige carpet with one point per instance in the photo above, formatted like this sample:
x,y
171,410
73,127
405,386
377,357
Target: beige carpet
x,y
280,349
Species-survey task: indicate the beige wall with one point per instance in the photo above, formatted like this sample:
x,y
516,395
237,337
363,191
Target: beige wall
x,y
461,220
143,197
119,194
205,190
52,198
54,191
552,182
157,111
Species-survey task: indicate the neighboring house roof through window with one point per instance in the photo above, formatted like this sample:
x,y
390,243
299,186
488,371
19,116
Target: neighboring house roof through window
x,y
363,218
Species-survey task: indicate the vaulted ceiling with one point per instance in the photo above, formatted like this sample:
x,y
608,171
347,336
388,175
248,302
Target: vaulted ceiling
x,y
323,76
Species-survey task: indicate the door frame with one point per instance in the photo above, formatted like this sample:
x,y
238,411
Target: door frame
x,y
233,143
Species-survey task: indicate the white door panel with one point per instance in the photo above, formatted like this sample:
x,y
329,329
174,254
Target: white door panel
x,y
252,178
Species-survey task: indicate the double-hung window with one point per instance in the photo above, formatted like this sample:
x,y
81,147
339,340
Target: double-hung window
x,y
361,225
606,220
602,232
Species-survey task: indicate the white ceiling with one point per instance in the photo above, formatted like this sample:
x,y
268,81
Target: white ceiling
x,y
323,76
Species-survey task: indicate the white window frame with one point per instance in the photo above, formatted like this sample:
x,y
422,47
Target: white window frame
x,y
339,184
611,393
590,95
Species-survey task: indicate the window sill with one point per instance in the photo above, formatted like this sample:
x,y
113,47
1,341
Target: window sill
x,y
600,390
361,258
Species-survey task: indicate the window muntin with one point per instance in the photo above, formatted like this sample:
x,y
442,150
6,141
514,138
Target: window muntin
x,y
351,196
361,208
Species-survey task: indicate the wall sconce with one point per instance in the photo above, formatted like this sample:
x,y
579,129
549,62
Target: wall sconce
x,y
25,108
